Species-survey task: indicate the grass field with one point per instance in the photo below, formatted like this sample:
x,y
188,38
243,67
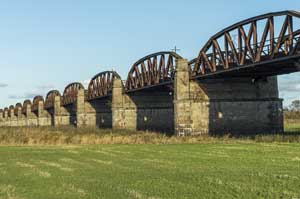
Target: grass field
x,y
69,163
219,170
292,127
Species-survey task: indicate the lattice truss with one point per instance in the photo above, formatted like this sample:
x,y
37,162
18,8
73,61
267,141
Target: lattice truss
x,y
258,39
101,84
70,93
50,98
151,70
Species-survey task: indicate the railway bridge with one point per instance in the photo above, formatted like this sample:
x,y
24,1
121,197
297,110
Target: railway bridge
x,y
230,87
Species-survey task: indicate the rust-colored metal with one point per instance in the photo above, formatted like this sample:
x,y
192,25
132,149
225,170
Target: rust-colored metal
x,y
70,93
50,97
101,84
24,107
221,53
18,105
35,102
152,70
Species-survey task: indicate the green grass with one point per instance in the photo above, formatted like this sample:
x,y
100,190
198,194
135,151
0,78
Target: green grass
x,y
65,162
292,127
208,170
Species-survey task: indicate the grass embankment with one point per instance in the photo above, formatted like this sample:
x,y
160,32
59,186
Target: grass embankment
x,y
223,170
292,126
74,136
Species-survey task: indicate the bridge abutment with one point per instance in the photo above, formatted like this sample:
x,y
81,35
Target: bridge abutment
x,y
20,117
80,109
191,104
1,118
62,116
182,103
30,118
12,118
5,118
43,116
124,113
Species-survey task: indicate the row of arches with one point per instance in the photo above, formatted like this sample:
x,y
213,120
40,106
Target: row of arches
x,y
261,40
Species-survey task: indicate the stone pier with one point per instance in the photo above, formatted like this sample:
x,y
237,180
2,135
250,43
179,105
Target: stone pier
x,y
226,105
43,116
124,110
62,116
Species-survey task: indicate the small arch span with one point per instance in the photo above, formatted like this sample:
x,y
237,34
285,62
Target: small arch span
x,y
152,70
101,84
70,93
50,98
35,102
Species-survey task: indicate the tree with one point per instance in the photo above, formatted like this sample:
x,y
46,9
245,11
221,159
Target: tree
x,y
295,106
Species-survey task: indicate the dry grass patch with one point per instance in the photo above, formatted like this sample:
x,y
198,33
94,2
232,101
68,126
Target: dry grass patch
x,y
8,192
34,169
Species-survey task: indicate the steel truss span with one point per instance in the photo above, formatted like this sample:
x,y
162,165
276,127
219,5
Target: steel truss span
x,y
101,85
50,98
70,93
267,39
152,70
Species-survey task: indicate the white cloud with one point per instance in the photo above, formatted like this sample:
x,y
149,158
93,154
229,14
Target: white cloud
x,y
289,90
289,87
45,87
3,85
85,83
26,95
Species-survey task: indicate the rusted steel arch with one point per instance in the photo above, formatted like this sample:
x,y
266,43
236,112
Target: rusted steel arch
x,y
221,53
192,63
70,93
50,97
101,84
24,108
18,105
35,102
152,70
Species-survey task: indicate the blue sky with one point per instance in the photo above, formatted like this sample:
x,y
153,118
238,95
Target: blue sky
x,y
48,44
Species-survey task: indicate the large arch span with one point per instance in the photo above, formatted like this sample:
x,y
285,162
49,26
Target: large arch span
x,y
264,45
